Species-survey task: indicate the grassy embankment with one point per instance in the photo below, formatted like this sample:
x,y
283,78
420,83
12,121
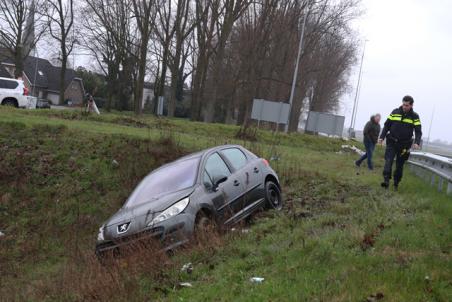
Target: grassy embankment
x,y
340,237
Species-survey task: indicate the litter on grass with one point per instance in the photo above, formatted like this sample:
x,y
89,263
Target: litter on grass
x,y
187,268
353,149
257,279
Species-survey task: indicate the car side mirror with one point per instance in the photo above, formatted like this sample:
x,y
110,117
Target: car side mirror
x,y
218,182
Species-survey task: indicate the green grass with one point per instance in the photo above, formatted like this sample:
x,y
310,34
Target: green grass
x,y
339,238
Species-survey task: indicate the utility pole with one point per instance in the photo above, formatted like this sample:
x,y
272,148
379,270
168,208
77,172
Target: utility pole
x,y
297,66
311,98
358,89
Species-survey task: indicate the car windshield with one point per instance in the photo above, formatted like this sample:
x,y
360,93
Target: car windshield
x,y
174,177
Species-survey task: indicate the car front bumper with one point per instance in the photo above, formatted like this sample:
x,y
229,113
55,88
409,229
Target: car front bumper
x,y
169,234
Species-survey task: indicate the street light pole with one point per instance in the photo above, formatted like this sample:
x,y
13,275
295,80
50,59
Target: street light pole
x,y
430,128
297,66
358,89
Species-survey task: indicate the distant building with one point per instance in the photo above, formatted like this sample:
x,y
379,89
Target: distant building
x,y
4,73
43,79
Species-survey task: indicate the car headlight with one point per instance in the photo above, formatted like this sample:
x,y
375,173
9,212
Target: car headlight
x,y
100,235
173,210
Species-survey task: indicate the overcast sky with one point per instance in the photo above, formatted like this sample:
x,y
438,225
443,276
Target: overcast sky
x,y
409,52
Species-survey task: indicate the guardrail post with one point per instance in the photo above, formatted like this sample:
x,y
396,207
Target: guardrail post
x,y
427,176
440,184
432,182
449,188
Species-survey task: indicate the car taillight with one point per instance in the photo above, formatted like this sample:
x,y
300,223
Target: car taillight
x,y
266,162
25,91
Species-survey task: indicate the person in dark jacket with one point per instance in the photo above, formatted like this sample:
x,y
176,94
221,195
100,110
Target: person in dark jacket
x,y
398,132
371,133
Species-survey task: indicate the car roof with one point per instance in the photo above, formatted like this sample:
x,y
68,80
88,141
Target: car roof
x,y
9,79
211,150
202,153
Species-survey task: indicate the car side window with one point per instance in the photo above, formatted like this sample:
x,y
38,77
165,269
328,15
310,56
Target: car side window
x,y
5,84
13,84
235,157
216,167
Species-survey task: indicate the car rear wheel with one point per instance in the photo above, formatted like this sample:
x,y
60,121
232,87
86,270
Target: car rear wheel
x,y
273,196
10,102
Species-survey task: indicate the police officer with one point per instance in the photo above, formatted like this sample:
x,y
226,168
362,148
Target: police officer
x,y
398,131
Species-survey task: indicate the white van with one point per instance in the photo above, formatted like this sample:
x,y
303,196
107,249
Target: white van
x,y
14,93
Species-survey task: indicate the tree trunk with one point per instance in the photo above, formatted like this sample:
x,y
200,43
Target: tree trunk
x,y
141,73
63,75
198,88
174,82
19,62
160,85
211,105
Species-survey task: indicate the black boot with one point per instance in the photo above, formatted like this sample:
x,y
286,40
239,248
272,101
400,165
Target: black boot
x,y
385,184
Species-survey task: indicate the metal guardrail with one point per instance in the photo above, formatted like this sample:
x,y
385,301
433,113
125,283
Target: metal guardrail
x,y
434,169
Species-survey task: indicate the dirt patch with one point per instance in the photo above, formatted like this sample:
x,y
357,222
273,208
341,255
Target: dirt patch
x,y
370,238
247,134
375,297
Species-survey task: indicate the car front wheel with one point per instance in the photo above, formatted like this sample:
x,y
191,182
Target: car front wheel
x,y
273,196
205,228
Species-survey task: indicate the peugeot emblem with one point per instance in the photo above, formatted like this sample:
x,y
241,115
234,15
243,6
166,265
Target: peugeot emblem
x,y
122,228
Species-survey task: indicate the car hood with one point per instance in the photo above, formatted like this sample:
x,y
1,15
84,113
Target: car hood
x,y
140,215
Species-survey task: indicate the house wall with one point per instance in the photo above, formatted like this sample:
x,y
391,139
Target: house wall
x,y
53,97
74,92
11,69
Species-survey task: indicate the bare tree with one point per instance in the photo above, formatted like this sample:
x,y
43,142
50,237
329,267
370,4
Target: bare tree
x,y
20,29
183,25
164,33
109,37
144,14
225,15
60,16
205,28
259,57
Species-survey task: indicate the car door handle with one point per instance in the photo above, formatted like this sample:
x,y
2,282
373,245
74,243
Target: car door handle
x,y
236,183
256,170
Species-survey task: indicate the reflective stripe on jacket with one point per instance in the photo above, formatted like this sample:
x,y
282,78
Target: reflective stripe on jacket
x,y
400,125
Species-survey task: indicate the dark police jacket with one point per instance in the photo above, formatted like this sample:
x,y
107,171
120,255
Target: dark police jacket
x,y
399,128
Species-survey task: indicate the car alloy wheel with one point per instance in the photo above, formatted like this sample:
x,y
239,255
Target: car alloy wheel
x,y
273,196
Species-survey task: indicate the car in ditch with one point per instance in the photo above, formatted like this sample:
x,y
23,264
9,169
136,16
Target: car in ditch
x,y
217,187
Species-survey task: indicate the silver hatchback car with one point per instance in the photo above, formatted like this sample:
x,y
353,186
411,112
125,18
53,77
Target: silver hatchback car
x,y
222,185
